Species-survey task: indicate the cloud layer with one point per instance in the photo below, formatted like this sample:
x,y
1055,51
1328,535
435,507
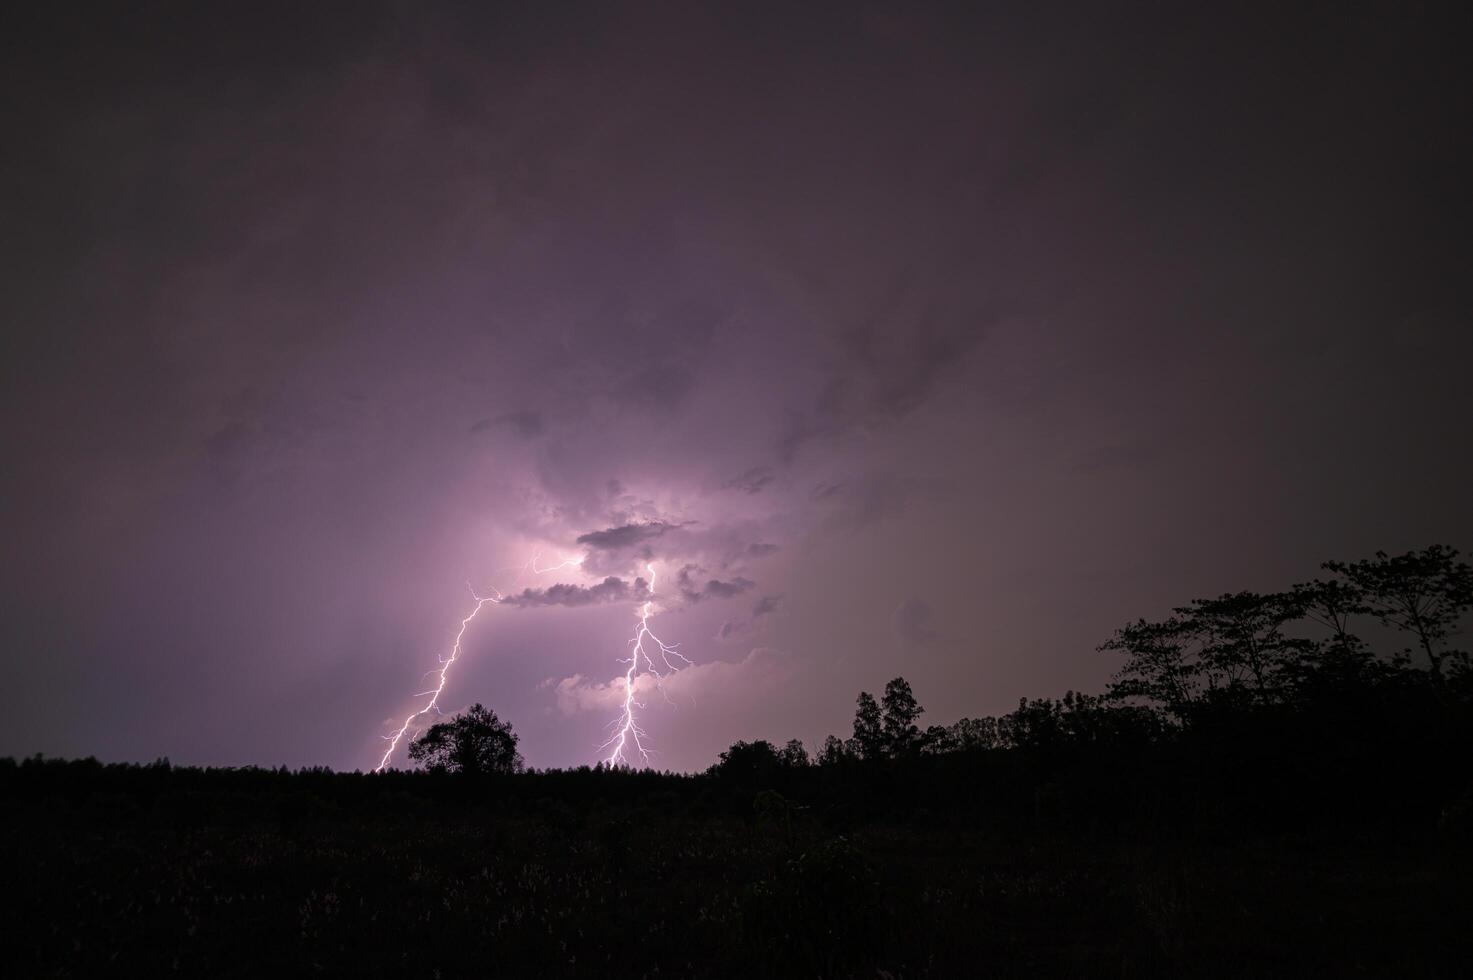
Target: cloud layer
x,y
1027,321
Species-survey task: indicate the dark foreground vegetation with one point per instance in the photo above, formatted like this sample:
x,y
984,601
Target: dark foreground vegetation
x,y
1265,793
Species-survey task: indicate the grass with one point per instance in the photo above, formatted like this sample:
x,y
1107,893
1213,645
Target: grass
x,y
402,886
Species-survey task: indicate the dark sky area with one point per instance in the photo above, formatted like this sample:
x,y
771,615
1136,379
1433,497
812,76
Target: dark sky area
x,y
896,339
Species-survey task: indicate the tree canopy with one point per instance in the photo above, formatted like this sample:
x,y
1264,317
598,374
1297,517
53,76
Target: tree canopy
x,y
1248,648
474,742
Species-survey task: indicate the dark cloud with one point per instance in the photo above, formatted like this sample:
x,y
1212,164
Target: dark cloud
x,y
717,589
625,547
753,480
726,546
766,605
912,622
824,491
693,591
611,589
625,536
733,629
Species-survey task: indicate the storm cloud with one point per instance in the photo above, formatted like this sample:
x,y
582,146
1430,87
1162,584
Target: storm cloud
x,y
610,589
1051,316
625,536
733,629
692,590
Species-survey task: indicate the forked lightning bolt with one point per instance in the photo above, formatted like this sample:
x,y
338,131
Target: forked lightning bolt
x,y
627,733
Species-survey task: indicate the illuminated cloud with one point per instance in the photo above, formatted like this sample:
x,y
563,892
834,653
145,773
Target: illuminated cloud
x,y
761,670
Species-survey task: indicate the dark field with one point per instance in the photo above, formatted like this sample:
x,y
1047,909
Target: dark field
x,y
127,870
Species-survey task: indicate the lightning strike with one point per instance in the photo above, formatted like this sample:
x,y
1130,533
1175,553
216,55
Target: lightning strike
x,y
443,673
565,563
627,733
627,743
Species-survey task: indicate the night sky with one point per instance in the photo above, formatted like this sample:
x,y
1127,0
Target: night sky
x,y
899,340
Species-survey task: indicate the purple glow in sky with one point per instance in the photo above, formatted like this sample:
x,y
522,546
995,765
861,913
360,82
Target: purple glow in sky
x,y
924,341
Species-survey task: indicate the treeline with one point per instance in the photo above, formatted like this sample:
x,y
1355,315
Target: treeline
x,y
1344,702
1238,653
886,732
1273,786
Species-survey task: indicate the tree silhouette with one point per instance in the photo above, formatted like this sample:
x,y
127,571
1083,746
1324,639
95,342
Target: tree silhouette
x,y
1159,665
1423,593
794,755
899,721
1342,656
1332,604
1241,640
1037,724
474,742
834,752
748,761
869,737
938,740
975,734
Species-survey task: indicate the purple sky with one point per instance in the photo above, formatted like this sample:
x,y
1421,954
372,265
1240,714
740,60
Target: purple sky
x,y
925,343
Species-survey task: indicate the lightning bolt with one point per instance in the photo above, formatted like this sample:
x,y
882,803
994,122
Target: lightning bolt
x,y
442,674
627,733
628,739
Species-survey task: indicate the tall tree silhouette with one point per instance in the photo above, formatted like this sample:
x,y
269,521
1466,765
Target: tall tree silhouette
x,y
900,713
869,737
